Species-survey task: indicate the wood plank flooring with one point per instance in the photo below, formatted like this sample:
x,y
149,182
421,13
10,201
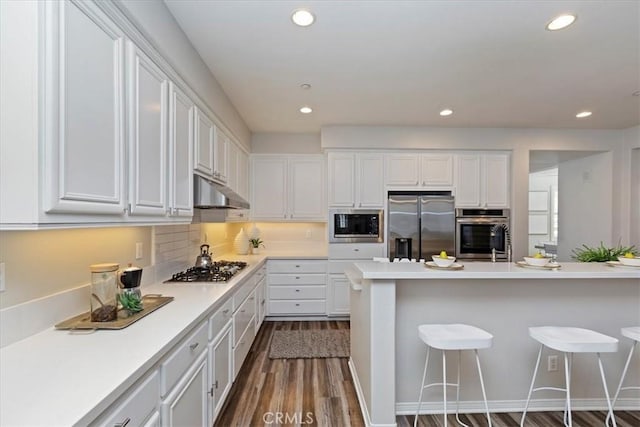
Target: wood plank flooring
x,y
320,392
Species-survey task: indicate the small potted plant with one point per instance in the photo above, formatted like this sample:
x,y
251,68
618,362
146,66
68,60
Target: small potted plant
x,y
255,245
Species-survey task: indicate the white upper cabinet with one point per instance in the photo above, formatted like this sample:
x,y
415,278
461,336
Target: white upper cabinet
x,y
181,153
288,187
243,174
482,180
402,170
436,170
84,111
148,112
220,147
203,141
356,180
233,152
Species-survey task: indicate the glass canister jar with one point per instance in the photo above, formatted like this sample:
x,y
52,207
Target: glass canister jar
x,y
104,290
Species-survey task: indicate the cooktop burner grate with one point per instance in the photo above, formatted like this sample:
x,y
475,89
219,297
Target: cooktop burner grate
x,y
219,271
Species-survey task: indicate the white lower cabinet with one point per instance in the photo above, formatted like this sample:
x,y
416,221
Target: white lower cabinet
x,y
187,404
261,302
139,407
154,420
338,295
297,287
220,371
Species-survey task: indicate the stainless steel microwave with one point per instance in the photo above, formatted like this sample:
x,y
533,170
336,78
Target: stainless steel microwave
x,y
356,226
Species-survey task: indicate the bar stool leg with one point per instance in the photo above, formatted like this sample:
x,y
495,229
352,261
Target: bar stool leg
x,y
606,392
533,381
424,377
444,385
624,373
567,376
484,394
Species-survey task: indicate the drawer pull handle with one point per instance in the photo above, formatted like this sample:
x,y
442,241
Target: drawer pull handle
x,y
297,305
210,392
251,299
262,303
357,250
123,424
297,290
225,311
242,311
297,277
297,266
216,384
194,346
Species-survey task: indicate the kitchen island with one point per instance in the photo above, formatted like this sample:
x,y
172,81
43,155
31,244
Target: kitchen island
x,y
390,300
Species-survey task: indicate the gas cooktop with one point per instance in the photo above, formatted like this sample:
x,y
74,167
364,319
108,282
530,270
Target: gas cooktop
x,y
219,271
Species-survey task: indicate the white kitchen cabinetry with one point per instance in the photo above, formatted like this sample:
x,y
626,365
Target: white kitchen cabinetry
x,y
402,170
340,256
180,153
356,180
296,287
203,143
139,406
288,188
83,111
436,170
187,404
261,295
148,112
220,370
220,146
419,170
482,180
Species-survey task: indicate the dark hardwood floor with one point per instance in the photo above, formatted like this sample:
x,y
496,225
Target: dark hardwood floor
x,y
320,392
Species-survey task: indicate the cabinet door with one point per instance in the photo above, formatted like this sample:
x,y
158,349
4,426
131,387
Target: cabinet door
x,y
468,180
148,113
203,141
496,180
342,179
181,153
220,144
338,301
220,357
243,173
232,166
83,111
261,302
370,178
307,188
402,170
187,405
436,169
268,187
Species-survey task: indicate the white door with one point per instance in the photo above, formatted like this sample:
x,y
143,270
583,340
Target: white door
x,y
341,180
468,180
203,141
181,153
220,143
83,111
221,371
370,178
402,170
307,188
148,113
338,301
268,187
187,404
496,180
436,169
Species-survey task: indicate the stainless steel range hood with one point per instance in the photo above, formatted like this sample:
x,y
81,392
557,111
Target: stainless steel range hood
x,y
210,195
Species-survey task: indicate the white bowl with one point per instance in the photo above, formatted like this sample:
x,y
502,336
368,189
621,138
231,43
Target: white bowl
x,y
443,262
538,262
630,261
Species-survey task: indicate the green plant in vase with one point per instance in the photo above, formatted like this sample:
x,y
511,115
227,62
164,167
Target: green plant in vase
x,y
602,253
255,245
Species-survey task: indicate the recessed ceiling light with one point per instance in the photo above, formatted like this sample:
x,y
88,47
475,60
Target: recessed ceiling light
x,y
583,114
636,93
305,86
302,17
306,110
446,112
560,22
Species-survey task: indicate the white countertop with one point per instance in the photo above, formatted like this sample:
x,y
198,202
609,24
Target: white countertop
x,y
61,378
488,270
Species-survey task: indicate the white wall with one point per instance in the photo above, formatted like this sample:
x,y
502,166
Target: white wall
x,y
290,143
543,181
520,142
156,22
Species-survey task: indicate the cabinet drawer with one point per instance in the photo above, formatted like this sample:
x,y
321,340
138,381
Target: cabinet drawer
x,y
297,279
260,273
242,348
244,290
139,404
220,318
296,307
297,292
182,357
243,316
356,250
296,266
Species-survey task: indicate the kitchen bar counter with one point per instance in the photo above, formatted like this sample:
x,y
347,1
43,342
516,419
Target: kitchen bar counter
x,y
390,300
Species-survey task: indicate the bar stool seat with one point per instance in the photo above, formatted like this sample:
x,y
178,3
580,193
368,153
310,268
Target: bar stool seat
x,y
452,337
633,333
570,340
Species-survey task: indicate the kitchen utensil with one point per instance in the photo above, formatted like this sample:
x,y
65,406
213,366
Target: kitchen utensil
x,y
130,277
204,259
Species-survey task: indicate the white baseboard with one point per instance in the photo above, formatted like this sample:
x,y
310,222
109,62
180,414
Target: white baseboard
x,y
363,406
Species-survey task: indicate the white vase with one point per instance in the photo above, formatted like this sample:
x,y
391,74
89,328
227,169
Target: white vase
x,y
255,251
241,243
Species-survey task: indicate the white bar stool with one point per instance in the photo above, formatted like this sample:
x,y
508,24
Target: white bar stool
x,y
452,337
570,340
633,333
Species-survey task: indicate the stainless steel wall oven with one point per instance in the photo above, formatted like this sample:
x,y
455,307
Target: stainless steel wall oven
x,y
479,231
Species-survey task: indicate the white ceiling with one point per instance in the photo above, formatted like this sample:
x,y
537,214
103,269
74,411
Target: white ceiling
x,y
401,62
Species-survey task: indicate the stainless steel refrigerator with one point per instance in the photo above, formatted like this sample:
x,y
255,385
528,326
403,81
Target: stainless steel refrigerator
x,y
421,224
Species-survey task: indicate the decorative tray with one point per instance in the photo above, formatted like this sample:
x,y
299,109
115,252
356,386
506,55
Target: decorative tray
x,y
619,264
549,266
454,266
151,303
